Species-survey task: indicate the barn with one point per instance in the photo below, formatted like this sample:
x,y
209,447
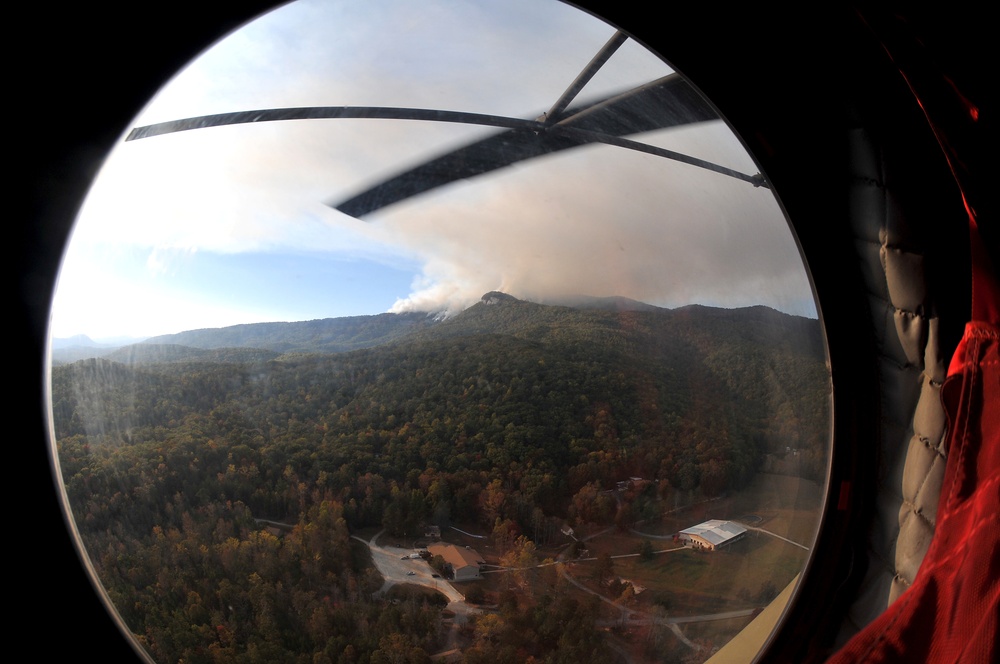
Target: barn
x,y
713,534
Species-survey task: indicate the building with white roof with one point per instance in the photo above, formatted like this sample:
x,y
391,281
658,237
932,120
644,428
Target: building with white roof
x,y
713,534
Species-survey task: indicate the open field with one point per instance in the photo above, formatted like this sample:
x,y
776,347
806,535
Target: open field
x,y
744,574
698,581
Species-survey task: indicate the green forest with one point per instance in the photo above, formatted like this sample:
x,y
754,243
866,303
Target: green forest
x,y
510,415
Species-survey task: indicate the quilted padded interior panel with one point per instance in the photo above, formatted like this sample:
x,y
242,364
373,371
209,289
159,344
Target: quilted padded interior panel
x,y
911,370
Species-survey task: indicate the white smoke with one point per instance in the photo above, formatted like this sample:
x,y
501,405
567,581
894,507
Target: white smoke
x,y
604,221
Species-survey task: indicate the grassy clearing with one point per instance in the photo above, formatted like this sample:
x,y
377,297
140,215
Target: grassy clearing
x,y
734,574
744,574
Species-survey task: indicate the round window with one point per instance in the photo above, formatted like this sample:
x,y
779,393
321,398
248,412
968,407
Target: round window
x,y
414,330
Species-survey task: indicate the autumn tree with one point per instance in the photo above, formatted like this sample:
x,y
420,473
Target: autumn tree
x,y
520,562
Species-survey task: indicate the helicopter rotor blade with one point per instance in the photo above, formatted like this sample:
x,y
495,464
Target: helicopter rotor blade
x,y
667,102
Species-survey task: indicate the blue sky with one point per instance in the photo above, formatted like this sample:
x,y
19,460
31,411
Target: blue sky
x,y
231,225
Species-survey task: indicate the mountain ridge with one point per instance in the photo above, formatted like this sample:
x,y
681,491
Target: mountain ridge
x,y
581,318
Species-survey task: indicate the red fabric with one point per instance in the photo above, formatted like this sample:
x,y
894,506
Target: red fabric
x,y
951,613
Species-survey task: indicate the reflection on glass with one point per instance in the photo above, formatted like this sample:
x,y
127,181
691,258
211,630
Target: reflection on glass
x,y
553,384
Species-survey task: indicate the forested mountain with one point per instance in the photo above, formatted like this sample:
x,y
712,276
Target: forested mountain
x,y
327,335
509,413
77,341
147,353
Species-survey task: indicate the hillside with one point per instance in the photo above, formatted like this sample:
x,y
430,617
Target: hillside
x,y
511,418
668,384
327,335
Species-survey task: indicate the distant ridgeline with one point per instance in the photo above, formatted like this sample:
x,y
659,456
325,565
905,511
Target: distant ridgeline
x,y
510,412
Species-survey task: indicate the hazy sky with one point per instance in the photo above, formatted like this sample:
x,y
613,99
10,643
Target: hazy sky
x,y
232,225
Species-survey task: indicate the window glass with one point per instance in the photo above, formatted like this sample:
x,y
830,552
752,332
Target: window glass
x,y
445,327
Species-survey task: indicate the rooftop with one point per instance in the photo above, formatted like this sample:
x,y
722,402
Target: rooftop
x,y
715,531
455,555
